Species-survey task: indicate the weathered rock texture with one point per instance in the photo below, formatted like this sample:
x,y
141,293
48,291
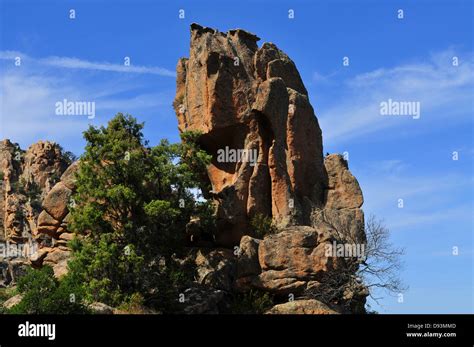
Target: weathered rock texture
x,y
28,176
53,221
244,97
343,198
310,306
293,260
36,186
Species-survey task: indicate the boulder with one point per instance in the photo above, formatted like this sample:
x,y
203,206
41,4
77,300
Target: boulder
x,y
66,237
13,301
38,257
56,255
100,308
345,224
47,224
215,268
343,189
56,202
57,258
203,300
289,262
309,306
69,176
247,261
293,257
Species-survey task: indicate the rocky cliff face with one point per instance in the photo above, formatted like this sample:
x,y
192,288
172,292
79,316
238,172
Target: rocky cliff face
x,y
242,97
29,179
53,224
28,176
247,98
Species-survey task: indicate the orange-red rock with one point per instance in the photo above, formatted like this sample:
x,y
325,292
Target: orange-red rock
x,y
244,97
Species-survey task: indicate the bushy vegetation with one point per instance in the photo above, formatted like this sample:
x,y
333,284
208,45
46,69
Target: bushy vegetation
x,y
251,302
129,213
44,294
132,205
262,225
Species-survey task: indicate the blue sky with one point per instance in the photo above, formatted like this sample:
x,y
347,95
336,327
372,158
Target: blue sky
x,y
407,59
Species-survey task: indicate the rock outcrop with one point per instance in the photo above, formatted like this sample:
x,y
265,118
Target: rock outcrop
x,y
309,306
293,260
341,211
53,221
250,99
28,176
43,164
36,185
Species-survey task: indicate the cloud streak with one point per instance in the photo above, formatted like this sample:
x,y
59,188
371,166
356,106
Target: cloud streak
x,y
75,63
29,93
428,198
435,83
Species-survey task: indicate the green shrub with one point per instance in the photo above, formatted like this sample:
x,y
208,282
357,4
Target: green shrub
x,y
262,225
251,302
134,304
44,294
108,272
133,203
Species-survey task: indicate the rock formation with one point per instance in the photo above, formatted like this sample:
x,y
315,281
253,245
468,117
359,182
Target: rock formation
x,y
291,261
32,180
27,178
309,306
242,97
52,222
253,112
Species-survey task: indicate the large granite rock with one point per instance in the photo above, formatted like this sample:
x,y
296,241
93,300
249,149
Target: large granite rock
x,y
34,198
43,164
53,222
56,202
27,177
242,97
343,190
288,262
343,198
309,306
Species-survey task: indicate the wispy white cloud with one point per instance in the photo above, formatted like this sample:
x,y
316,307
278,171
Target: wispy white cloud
x,y
29,93
27,107
383,191
387,167
324,79
75,63
410,220
428,198
435,83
